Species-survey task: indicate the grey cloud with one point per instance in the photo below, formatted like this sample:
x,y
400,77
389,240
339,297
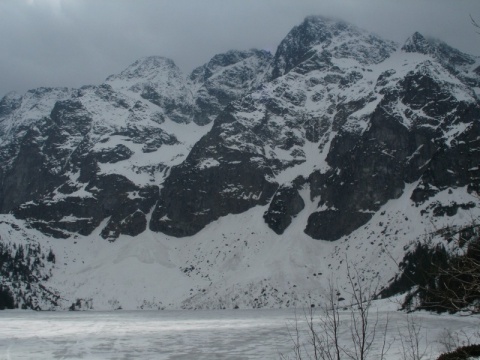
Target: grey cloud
x,y
77,42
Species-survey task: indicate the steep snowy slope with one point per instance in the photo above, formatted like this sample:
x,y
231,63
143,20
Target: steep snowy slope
x,y
355,121
76,157
234,261
159,81
250,183
95,155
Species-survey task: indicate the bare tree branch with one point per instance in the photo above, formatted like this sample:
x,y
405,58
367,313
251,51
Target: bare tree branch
x,y
475,23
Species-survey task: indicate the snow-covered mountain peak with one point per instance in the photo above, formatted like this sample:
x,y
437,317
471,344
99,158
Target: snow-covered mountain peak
x,y
160,81
17,112
149,68
225,78
328,38
9,102
449,57
418,43
12,95
320,23
352,141
224,60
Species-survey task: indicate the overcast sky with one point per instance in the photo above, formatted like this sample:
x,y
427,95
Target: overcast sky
x,y
77,42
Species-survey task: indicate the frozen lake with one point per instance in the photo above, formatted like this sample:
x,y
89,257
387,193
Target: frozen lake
x,y
227,334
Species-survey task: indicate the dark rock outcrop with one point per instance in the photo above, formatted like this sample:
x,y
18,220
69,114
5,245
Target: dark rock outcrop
x,y
215,180
110,196
285,205
325,108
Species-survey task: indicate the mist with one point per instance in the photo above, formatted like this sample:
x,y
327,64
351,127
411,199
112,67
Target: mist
x,y
78,42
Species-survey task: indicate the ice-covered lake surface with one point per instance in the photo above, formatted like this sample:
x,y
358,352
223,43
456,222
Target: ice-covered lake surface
x,y
222,334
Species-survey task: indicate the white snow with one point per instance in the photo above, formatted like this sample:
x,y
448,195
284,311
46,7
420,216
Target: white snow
x,y
208,163
236,260
225,334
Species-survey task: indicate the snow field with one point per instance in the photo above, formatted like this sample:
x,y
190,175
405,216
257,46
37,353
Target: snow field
x,y
226,334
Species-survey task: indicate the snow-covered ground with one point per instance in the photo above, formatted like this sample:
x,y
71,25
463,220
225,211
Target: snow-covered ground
x,y
206,334
235,261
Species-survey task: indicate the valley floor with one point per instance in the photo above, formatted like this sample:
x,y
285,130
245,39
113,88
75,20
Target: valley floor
x,y
206,334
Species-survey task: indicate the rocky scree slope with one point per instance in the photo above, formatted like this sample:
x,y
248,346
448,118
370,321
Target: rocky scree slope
x,y
321,138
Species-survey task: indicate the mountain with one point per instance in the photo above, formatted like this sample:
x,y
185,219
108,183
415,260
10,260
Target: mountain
x,y
249,182
225,78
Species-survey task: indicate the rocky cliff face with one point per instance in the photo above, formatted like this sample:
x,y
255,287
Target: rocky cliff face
x,y
225,78
72,158
322,135
345,107
318,40
333,97
332,107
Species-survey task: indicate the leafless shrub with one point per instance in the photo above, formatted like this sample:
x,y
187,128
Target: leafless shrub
x,y
323,331
475,23
413,340
451,340
363,331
